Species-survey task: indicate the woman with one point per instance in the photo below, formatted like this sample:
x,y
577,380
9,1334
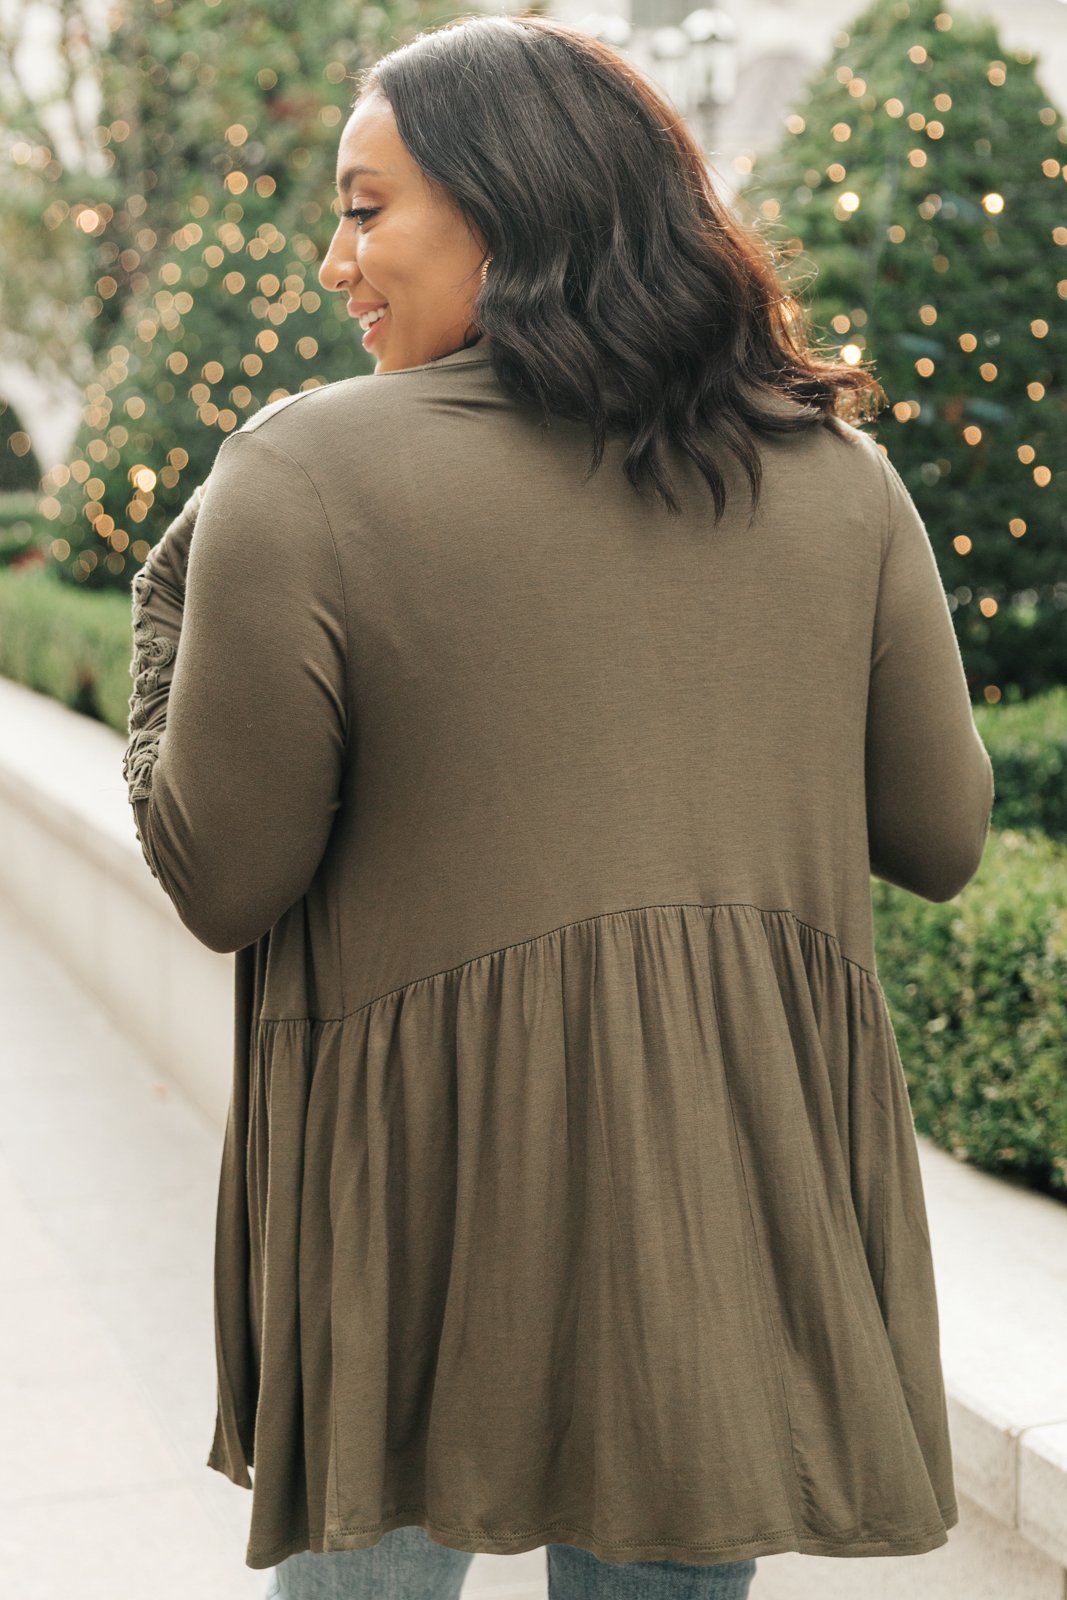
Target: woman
x,y
570,1194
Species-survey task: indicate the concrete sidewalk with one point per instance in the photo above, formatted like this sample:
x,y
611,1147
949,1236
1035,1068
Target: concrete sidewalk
x,y
107,1189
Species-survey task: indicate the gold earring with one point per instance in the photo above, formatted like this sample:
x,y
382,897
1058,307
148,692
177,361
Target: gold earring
x,y
485,267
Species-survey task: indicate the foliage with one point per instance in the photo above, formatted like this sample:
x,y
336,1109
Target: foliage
x,y
221,126
920,188
19,467
977,992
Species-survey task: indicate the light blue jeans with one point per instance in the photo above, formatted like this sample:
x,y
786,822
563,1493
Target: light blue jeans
x,y
406,1564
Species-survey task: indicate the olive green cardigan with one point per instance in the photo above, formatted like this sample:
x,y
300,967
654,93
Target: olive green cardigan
x,y
570,1190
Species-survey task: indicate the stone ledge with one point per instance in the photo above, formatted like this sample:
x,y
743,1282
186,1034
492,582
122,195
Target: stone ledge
x,y
1000,1260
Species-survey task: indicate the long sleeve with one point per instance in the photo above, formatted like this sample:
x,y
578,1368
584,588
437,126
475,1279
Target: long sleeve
x,y
928,774
238,719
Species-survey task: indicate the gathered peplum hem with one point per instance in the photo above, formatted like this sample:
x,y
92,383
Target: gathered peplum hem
x,y
612,1237
774,1541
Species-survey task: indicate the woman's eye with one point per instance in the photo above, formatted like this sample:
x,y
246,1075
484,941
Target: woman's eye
x,y
360,213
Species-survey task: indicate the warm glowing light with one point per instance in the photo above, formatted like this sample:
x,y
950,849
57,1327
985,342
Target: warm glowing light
x,y
972,435
928,315
143,478
993,203
1036,391
852,354
849,201
924,367
988,371
841,131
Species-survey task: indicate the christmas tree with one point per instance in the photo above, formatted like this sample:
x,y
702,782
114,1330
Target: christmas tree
x,y
917,206
224,123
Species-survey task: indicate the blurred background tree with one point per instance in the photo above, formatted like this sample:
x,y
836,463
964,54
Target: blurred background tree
x,y
46,264
200,244
918,205
19,469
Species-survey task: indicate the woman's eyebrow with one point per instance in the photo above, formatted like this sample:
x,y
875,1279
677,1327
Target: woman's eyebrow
x,y
355,172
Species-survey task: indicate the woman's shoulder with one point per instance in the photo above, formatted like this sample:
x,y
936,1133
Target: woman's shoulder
x,y
359,412
291,416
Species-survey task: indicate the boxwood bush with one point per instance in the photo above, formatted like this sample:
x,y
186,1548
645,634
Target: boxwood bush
x,y
977,992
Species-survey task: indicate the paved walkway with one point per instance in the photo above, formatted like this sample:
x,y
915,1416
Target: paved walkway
x,y
107,1192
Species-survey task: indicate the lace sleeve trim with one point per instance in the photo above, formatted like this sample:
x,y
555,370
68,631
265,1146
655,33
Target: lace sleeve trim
x,y
152,651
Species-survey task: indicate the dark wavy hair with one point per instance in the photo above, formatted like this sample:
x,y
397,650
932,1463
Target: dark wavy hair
x,y
622,291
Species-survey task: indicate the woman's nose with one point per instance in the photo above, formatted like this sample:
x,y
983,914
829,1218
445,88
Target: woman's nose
x,y
330,271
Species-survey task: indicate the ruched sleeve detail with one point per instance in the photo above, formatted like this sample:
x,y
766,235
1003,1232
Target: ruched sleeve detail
x,y
238,718
158,589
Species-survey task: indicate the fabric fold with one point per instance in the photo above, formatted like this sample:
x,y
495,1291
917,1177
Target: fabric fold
x,y
662,1291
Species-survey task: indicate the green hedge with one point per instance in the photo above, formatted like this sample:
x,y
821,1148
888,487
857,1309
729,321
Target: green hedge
x,y
976,987
1027,744
977,991
73,646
